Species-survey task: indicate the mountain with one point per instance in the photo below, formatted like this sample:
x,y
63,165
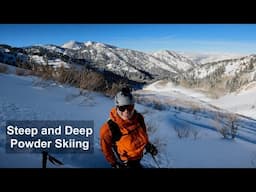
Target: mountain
x,y
219,77
125,62
132,64
174,60
73,45
222,77
203,58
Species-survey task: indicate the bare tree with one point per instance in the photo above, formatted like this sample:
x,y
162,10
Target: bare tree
x,y
182,132
229,128
220,126
233,123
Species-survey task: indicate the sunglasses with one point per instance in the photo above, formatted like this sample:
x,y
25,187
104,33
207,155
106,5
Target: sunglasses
x,y
124,107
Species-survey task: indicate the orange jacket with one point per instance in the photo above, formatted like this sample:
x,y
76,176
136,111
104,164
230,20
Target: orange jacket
x,y
133,140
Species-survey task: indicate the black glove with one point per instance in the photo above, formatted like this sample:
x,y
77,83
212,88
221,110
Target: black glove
x,y
150,148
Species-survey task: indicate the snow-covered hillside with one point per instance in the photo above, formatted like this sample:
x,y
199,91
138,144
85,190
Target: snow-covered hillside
x,y
130,64
241,102
202,58
126,60
201,146
231,67
73,45
174,59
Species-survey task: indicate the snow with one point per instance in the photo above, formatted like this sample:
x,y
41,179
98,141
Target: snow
x,y
231,67
88,43
42,101
29,98
58,63
53,48
202,58
73,45
243,101
55,62
168,61
168,88
177,60
38,59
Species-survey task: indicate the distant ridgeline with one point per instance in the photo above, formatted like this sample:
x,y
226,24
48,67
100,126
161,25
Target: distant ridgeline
x,y
124,66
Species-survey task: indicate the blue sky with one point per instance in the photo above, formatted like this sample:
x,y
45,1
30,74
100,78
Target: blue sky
x,y
226,38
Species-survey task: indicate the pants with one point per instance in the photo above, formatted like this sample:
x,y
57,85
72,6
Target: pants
x,y
133,164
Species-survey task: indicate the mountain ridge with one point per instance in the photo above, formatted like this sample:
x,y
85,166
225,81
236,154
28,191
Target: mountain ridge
x,y
221,76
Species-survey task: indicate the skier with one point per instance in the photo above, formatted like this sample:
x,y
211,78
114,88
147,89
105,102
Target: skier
x,y
123,137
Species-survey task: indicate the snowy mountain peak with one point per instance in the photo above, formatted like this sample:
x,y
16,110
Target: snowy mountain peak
x,y
73,45
89,43
98,44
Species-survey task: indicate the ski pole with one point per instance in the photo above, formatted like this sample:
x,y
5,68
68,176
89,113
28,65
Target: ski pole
x,y
155,161
44,159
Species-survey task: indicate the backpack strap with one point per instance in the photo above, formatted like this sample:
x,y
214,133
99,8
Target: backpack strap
x,y
114,128
141,120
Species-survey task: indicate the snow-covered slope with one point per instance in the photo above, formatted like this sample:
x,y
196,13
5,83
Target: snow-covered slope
x,y
124,61
73,45
174,60
29,98
243,101
118,59
231,67
202,58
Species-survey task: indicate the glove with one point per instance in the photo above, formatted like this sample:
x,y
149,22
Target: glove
x,y
150,148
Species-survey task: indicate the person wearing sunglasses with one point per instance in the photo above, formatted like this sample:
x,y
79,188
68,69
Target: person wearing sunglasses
x,y
124,138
